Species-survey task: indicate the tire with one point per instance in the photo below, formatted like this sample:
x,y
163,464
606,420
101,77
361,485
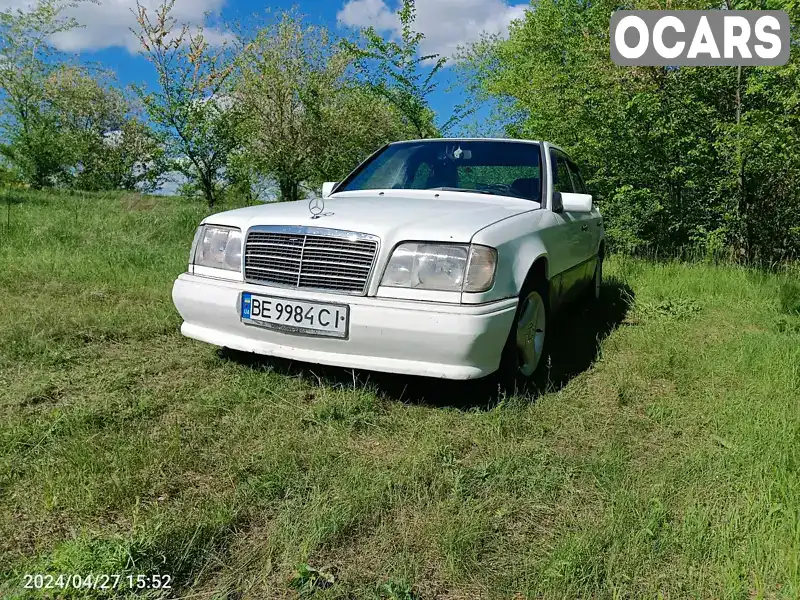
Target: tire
x,y
592,294
525,356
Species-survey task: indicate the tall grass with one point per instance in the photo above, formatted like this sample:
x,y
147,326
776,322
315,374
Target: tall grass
x,y
662,460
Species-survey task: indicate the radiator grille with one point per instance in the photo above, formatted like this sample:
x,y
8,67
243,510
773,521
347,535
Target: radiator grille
x,y
304,261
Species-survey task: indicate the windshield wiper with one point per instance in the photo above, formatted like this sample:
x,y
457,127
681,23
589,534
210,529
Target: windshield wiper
x,y
457,189
508,194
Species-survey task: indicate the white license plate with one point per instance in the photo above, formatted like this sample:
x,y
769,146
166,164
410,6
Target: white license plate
x,y
293,316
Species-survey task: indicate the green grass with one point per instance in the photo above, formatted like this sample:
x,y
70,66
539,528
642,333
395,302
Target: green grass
x,y
662,464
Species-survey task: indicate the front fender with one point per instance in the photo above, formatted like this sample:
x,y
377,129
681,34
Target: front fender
x,y
519,245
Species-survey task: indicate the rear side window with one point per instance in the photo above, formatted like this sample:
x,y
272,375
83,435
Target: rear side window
x,y
562,182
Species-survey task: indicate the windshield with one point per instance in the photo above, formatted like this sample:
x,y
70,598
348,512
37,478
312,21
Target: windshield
x,y
484,167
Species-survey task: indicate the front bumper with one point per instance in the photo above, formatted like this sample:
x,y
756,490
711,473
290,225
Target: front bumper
x,y
394,336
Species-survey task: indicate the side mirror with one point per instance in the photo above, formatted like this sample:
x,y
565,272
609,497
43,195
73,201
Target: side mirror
x,y
327,188
576,202
558,202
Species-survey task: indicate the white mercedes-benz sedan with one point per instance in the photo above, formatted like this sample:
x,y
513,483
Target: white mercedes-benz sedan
x,y
440,258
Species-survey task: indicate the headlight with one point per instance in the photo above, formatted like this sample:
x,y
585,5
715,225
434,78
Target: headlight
x,y
442,267
218,248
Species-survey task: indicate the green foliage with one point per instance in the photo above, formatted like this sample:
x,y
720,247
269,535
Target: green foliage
x,y
396,71
787,325
669,308
290,74
9,176
243,180
29,123
306,121
394,590
82,136
191,107
129,158
679,158
355,124
308,580
64,125
790,298
39,152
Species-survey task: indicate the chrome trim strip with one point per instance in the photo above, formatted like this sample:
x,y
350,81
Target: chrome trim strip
x,y
270,257
320,231
271,270
353,236
302,253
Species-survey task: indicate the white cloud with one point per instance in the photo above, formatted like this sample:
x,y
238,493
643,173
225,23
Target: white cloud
x,y
447,24
107,23
362,13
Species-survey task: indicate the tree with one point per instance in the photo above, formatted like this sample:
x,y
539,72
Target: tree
x,y
307,119
192,107
356,123
288,72
58,117
38,149
33,141
9,176
85,111
129,158
82,135
396,72
679,158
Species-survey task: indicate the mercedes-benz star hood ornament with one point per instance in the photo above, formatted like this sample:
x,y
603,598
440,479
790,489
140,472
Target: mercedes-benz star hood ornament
x,y
316,207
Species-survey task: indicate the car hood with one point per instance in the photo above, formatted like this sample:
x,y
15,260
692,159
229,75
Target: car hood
x,y
392,215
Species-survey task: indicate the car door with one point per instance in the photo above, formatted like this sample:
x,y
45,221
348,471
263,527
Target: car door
x,y
574,242
590,229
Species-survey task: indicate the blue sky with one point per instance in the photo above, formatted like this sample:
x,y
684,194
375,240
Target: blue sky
x,y
106,39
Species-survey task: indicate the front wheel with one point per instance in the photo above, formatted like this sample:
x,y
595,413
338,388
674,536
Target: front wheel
x,y
531,333
525,354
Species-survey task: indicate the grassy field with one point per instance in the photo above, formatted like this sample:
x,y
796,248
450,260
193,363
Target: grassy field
x,y
662,462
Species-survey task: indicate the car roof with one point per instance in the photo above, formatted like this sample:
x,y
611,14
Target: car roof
x,y
486,139
551,146
468,139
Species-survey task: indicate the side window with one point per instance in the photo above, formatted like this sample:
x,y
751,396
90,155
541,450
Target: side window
x,y
561,178
577,179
